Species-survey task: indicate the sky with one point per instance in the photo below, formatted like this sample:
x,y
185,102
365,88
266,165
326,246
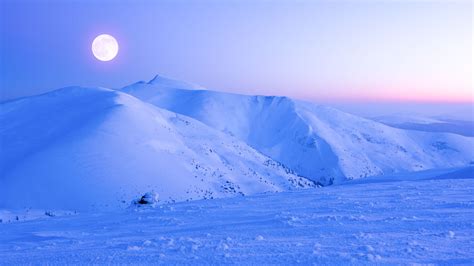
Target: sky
x,y
327,51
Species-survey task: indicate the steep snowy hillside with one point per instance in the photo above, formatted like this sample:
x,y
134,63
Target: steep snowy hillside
x,y
319,142
77,147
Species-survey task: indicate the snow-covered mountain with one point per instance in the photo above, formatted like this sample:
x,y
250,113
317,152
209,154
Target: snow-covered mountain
x,y
429,124
319,142
78,147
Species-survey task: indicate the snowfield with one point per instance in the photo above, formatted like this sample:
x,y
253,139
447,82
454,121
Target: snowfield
x,y
427,221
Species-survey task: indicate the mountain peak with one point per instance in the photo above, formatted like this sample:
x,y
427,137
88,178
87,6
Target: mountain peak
x,y
155,79
160,81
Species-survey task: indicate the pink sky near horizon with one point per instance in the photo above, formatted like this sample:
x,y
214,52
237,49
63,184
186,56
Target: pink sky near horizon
x,y
404,94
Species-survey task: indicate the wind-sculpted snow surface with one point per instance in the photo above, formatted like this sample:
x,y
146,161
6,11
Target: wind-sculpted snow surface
x,y
76,148
316,141
402,222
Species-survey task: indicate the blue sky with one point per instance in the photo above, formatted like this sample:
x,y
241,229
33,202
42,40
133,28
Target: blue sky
x,y
315,50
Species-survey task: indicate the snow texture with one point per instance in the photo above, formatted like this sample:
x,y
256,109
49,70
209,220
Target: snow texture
x,y
411,221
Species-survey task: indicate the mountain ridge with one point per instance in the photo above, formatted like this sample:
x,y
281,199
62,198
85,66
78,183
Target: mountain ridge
x,y
311,146
82,147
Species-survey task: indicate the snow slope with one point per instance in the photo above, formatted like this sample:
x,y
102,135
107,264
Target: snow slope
x,y
404,222
319,142
77,148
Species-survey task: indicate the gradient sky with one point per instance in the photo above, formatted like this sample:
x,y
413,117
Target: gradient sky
x,y
314,50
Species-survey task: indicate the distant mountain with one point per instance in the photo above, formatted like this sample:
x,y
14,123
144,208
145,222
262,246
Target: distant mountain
x,y
319,142
76,147
428,124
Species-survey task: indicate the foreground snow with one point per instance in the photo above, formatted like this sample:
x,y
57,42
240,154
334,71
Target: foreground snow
x,y
418,221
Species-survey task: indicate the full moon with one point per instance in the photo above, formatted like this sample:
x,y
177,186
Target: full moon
x,y
105,47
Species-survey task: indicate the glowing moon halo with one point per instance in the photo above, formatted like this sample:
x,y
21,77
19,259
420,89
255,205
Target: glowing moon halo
x,y
105,47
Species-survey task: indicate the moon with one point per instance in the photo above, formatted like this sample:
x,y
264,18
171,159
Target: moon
x,y
105,47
